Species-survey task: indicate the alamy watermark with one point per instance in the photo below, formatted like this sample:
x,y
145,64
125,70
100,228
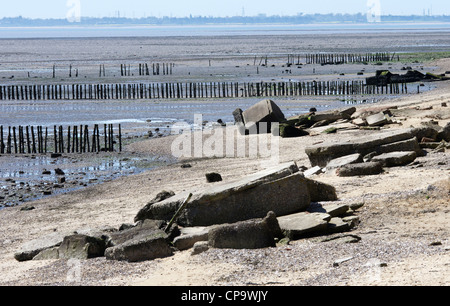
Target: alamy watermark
x,y
74,273
255,141
74,10
374,11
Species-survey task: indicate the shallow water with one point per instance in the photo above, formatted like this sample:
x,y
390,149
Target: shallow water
x,y
27,178
151,114
214,30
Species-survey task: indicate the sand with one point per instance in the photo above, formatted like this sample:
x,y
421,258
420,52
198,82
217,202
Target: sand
x,y
404,226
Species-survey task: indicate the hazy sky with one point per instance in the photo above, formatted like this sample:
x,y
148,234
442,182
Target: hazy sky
x,y
181,8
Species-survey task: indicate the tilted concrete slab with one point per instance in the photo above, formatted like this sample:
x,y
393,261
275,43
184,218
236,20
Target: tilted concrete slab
x,y
263,111
282,189
304,224
321,155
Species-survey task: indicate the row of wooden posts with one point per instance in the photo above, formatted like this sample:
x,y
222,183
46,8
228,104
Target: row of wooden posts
x,y
76,139
157,69
337,58
126,70
192,90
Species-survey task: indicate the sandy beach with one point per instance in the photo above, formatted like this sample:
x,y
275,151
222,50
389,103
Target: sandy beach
x,y
404,226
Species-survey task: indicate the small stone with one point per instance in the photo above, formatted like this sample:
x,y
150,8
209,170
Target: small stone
x,y
284,241
435,243
377,119
59,172
338,262
27,208
351,220
313,171
200,247
213,177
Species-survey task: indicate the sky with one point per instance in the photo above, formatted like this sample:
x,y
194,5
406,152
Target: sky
x,y
215,8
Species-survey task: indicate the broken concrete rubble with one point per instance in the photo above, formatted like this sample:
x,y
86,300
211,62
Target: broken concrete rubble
x,y
377,119
304,224
319,191
75,247
334,209
444,133
282,189
345,160
304,124
385,77
145,211
402,146
141,248
189,236
321,155
32,248
395,159
250,234
360,169
265,111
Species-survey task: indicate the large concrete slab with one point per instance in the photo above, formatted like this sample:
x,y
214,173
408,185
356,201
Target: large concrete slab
x,y
190,236
263,111
141,248
345,160
250,234
360,169
32,248
321,155
304,224
282,189
395,159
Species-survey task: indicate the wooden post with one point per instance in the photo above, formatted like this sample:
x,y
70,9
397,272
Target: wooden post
x,y
20,139
111,138
75,146
86,139
120,137
45,140
55,139
68,139
61,139
2,144
8,148
98,138
33,139
38,149
15,139
81,139
106,138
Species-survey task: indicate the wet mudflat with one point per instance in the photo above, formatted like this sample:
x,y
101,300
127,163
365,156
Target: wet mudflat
x,y
31,177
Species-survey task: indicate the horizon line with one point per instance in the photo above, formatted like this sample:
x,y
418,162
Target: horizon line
x,y
261,15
